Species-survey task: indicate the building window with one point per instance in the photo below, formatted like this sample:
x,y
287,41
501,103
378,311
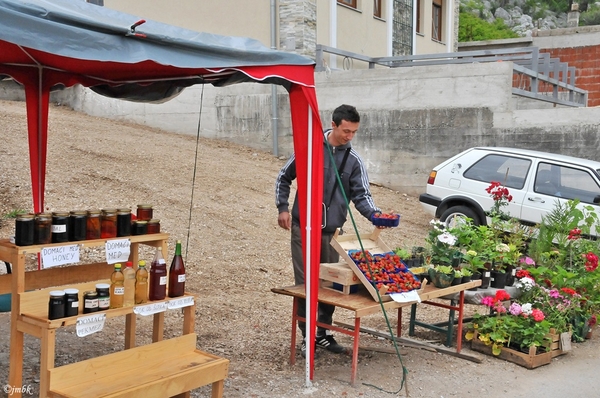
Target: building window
x,y
377,8
349,3
419,17
436,30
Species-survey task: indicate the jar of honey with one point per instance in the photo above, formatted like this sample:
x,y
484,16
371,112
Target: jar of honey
x,y
153,226
108,223
123,222
92,225
42,232
77,225
24,230
60,227
144,212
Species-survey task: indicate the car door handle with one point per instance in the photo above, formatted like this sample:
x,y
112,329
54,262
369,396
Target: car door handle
x,y
536,199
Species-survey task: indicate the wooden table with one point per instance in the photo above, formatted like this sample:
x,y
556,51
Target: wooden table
x,y
362,304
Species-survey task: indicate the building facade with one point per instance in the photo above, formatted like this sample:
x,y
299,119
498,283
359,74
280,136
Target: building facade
x,y
374,28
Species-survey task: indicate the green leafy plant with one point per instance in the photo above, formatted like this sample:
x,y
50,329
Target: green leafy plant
x,y
14,213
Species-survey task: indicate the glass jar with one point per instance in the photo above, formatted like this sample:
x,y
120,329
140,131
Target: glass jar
x,y
92,225
123,222
60,227
144,212
71,302
90,302
56,305
103,291
108,223
77,225
24,230
42,233
153,226
140,227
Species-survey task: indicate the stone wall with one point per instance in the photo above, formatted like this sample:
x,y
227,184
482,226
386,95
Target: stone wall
x,y
412,118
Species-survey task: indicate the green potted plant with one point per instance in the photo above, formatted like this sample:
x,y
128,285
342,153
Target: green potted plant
x,y
441,275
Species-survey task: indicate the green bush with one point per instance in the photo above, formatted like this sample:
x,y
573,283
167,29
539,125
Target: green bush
x,y
471,28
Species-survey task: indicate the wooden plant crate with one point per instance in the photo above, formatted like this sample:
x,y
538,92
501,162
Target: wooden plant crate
x,y
372,243
556,347
528,360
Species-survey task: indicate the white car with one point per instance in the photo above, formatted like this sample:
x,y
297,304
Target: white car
x,y
536,180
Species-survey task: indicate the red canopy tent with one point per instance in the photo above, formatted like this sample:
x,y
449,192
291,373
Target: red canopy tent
x,y
46,45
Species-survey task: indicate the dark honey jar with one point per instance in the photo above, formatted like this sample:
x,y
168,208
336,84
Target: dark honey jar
x,y
123,222
77,225
60,227
140,227
24,230
56,305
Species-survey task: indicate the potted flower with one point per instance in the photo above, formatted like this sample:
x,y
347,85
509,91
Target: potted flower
x,y
441,275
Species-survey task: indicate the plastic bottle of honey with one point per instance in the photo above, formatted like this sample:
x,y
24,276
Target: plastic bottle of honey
x,y
129,284
141,283
117,288
158,277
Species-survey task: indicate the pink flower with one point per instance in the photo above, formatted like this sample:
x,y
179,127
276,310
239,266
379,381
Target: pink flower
x,y
515,309
487,301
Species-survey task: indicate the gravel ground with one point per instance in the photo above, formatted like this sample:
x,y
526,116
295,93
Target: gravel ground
x,y
235,253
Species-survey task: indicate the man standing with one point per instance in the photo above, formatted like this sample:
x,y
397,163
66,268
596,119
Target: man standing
x,y
355,185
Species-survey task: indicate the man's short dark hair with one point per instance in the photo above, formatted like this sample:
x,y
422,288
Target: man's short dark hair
x,y
345,112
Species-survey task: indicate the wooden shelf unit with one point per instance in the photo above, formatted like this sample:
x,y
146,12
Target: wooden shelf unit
x,y
29,315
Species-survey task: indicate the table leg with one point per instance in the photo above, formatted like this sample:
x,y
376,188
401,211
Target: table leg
x,y
355,351
47,348
399,325
461,306
294,325
130,321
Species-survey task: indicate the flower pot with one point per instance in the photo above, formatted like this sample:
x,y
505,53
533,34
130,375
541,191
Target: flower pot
x,y
440,279
511,271
456,281
498,279
466,279
475,277
485,279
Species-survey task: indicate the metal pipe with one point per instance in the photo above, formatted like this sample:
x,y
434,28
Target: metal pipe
x,y
274,105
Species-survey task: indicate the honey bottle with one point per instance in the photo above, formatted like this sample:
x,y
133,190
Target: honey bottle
x,y
141,283
117,287
177,273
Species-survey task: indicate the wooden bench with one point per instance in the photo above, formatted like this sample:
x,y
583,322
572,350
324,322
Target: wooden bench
x,y
162,369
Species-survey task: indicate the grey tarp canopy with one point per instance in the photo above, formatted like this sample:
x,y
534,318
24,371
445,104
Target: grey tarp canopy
x,y
45,45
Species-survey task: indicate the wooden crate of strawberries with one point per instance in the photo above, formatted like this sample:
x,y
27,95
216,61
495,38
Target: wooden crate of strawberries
x,y
377,267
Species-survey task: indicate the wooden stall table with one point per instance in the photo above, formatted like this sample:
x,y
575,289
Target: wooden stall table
x,y
362,304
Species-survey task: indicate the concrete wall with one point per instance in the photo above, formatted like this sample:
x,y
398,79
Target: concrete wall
x,y
412,118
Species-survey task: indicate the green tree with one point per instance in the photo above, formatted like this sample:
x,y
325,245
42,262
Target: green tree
x,y
471,28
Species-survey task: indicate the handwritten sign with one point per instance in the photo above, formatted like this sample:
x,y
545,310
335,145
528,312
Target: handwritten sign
x,y
87,325
150,309
60,255
406,297
117,250
181,302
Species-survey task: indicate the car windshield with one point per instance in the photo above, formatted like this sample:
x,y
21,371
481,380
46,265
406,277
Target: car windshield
x,y
508,170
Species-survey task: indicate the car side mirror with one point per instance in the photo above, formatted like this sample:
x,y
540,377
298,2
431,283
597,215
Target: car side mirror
x,y
596,199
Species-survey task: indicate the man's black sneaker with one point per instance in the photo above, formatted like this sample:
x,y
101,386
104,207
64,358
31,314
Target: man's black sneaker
x,y
328,342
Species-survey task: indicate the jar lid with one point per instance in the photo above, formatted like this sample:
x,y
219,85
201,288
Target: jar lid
x,y
25,216
90,293
71,291
144,206
95,211
57,293
102,286
78,212
43,215
60,214
154,221
109,210
124,210
141,222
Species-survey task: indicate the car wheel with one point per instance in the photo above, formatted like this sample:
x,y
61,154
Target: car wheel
x,y
457,214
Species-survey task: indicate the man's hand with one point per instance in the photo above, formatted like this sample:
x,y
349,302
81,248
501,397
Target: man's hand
x,y
285,220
